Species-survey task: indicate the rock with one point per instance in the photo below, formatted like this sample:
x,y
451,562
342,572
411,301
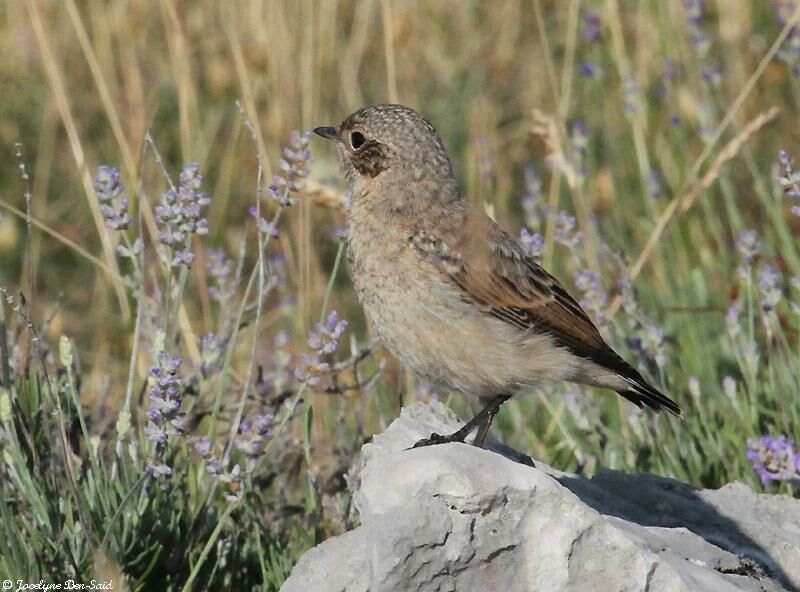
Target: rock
x,y
457,518
336,564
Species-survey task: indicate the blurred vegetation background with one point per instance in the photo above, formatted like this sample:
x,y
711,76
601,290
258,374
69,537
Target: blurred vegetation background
x,y
657,124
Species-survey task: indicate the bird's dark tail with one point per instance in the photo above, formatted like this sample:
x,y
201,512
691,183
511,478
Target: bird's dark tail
x,y
641,394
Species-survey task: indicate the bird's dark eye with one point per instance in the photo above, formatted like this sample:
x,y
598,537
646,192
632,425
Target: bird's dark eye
x,y
357,140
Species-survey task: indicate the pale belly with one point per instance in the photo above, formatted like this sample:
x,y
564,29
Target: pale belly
x,y
444,340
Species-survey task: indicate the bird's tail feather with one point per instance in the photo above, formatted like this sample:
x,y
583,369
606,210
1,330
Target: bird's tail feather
x,y
643,394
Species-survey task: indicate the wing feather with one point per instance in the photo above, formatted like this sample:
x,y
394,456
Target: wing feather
x,y
492,271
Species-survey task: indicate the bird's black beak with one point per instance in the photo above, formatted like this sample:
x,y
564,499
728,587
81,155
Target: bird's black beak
x,y
329,133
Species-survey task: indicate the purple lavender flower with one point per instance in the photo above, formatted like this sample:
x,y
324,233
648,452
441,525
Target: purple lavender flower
x,y
179,215
701,41
294,167
694,11
712,73
533,201
111,194
733,320
426,392
251,437
667,76
565,232
325,337
653,183
592,27
768,284
774,459
748,245
124,251
214,466
182,257
323,340
203,446
694,20
589,69
156,434
532,243
627,293
590,34
231,480
158,470
220,269
165,419
210,352
264,227
593,297
234,483
790,179
789,52
669,73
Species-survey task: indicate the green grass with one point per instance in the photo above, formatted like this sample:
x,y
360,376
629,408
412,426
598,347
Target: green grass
x,y
505,85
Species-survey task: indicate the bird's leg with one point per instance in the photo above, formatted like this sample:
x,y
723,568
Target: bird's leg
x,y
483,428
482,421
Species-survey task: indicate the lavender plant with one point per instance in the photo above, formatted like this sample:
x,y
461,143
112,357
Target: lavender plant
x,y
114,499
179,214
165,419
774,458
789,179
111,193
789,52
591,33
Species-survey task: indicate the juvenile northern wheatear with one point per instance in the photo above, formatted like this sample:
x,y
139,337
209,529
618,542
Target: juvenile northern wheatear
x,y
452,295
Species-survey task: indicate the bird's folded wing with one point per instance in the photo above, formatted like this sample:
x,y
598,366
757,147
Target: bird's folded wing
x,y
492,270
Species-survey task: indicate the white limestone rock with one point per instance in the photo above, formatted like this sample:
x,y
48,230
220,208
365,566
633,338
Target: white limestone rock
x,y
457,518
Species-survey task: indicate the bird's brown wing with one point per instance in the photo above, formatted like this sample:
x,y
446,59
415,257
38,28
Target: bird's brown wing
x,y
492,270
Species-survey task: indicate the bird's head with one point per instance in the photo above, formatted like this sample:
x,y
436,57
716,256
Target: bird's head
x,y
389,145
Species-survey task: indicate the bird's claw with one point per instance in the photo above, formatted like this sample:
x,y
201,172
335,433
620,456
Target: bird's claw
x,y
436,439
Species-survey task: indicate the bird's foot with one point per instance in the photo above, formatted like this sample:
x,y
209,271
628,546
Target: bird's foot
x,y
439,439
481,422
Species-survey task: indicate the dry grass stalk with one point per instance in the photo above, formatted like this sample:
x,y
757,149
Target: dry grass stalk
x,y
546,127
54,76
683,203
322,195
728,152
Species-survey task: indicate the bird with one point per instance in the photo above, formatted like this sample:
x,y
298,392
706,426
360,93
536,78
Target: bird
x,y
454,297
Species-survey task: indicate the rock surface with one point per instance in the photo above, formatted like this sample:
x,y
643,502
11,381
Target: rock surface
x,y
458,518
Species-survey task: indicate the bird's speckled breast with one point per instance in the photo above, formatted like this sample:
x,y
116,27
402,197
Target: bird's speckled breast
x,y
391,286
381,273
421,321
